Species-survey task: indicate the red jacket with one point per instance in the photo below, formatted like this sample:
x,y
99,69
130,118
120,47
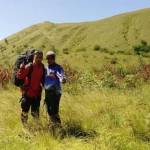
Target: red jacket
x,y
32,86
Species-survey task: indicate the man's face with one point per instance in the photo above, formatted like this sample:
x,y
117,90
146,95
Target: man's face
x,y
38,58
51,60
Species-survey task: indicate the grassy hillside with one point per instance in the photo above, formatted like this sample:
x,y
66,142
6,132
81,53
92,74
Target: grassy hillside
x,y
105,104
98,120
116,34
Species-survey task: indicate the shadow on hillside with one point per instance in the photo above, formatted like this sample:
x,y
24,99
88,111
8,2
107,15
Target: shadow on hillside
x,y
75,129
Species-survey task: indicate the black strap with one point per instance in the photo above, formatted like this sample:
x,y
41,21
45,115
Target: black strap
x,y
30,73
43,77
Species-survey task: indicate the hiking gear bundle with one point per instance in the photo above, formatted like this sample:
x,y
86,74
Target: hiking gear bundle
x,y
24,58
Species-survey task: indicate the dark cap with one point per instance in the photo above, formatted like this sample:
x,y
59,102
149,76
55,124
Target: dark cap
x,y
38,52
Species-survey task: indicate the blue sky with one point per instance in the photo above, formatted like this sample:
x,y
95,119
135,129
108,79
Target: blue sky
x,y
18,14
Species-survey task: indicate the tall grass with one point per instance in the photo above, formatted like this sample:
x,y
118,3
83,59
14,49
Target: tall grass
x,y
96,114
99,119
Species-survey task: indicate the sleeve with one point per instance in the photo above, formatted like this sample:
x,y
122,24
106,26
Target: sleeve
x,y
23,71
61,74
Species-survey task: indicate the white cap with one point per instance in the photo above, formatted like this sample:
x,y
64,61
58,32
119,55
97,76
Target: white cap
x,y
50,53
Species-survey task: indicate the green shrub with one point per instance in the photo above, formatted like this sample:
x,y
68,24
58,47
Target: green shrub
x,y
111,53
43,46
97,48
108,80
143,47
6,41
65,51
113,60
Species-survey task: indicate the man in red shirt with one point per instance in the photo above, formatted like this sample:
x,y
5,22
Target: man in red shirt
x,y
33,75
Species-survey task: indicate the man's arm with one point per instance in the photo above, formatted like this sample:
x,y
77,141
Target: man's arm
x,y
61,75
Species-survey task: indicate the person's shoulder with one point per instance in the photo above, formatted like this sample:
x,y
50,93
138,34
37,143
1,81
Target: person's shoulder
x,y
58,66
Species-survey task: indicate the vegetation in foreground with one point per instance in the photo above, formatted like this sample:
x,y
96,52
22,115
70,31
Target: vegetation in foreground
x,y
103,109
97,119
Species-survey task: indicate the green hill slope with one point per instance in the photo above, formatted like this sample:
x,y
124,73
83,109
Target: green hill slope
x,y
118,33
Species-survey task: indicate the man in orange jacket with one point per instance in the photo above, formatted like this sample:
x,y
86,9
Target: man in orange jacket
x,y
33,75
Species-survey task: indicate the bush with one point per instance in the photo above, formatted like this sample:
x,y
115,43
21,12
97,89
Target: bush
x,y
43,46
65,51
97,47
111,53
6,41
108,80
113,61
143,47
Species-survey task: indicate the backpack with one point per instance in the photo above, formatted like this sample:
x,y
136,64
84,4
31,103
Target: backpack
x,y
24,58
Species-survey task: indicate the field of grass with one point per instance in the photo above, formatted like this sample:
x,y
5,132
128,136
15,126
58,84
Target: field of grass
x,y
107,119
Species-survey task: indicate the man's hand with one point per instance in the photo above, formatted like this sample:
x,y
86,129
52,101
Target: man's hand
x,y
52,75
22,66
64,80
